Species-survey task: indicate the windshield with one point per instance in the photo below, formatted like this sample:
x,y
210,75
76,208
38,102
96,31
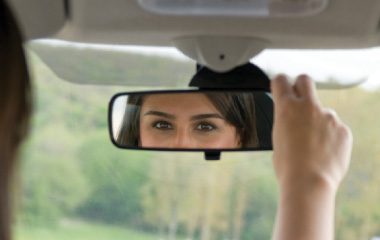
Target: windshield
x,y
76,185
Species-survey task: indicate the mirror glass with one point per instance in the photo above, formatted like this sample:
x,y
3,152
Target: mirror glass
x,y
192,120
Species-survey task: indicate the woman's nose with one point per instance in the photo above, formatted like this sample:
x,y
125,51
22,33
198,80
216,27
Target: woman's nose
x,y
183,139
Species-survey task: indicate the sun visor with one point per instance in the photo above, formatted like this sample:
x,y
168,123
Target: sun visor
x,y
39,18
133,66
110,65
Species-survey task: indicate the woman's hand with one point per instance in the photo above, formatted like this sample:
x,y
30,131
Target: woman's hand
x,y
311,144
312,150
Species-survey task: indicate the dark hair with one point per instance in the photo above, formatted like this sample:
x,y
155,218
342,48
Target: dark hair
x,y
129,133
237,108
15,105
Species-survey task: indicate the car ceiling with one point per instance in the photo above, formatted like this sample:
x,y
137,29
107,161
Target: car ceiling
x,y
343,24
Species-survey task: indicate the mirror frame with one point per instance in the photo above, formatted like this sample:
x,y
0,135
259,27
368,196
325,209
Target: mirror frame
x,y
211,154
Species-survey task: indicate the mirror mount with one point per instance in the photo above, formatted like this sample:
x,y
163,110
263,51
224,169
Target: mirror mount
x,y
212,155
220,53
247,76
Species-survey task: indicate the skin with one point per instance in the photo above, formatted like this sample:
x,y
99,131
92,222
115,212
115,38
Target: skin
x,y
312,151
165,124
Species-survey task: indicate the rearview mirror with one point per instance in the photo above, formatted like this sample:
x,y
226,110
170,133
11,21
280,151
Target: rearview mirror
x,y
195,120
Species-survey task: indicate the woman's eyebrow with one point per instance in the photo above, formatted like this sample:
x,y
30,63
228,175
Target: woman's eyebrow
x,y
160,114
206,115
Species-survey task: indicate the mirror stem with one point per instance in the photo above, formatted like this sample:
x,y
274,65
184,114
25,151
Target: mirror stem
x,y
212,155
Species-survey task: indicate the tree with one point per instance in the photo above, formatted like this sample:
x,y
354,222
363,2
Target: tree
x,y
116,178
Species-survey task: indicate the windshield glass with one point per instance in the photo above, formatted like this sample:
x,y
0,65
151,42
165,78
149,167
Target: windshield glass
x,y
76,185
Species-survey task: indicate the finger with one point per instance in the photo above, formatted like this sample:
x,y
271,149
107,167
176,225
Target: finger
x,y
305,88
331,113
281,88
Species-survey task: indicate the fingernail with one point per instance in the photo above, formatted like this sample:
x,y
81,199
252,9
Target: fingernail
x,y
304,76
282,77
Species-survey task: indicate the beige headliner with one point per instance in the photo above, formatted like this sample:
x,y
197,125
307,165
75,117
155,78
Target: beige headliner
x,y
344,24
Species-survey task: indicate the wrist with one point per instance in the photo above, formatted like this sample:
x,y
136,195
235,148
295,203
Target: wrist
x,y
306,210
293,183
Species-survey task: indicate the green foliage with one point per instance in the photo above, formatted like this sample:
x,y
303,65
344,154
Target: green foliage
x,y
116,178
358,210
79,230
53,183
262,203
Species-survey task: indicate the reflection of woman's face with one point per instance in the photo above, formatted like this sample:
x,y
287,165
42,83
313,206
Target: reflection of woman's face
x,y
184,121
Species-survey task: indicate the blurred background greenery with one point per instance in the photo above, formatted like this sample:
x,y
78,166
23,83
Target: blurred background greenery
x,y
74,184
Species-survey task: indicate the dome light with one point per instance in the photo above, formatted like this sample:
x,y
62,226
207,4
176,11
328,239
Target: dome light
x,y
244,8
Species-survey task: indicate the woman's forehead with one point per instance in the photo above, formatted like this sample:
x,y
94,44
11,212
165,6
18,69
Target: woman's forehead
x,y
178,103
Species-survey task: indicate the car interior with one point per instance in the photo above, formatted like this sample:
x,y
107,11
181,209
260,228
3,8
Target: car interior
x,y
153,118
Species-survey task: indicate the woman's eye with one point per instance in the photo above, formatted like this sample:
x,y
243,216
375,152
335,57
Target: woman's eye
x,y
205,127
162,125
